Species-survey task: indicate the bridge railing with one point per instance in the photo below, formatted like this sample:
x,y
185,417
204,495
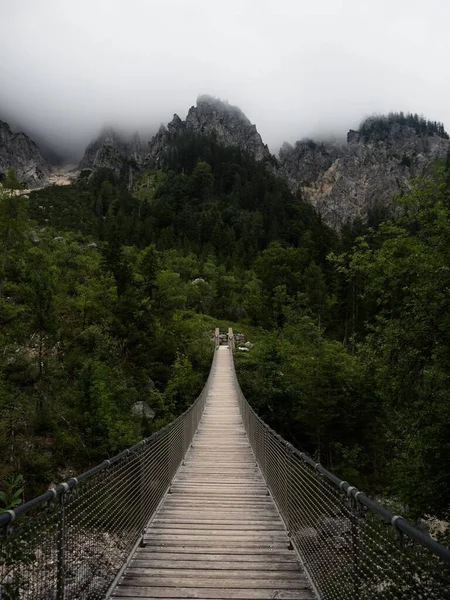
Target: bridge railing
x,y
73,542
351,547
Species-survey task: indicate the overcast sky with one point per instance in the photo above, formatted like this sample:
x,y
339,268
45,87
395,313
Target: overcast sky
x,y
296,68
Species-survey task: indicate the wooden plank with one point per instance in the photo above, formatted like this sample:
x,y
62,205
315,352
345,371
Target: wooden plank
x,y
220,479
214,542
233,550
138,569
215,518
197,582
197,564
210,593
188,513
215,525
217,493
173,557
219,538
155,532
205,486
258,502
193,512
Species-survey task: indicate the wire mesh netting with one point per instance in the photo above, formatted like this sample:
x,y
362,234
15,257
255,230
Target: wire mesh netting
x,y
351,547
71,542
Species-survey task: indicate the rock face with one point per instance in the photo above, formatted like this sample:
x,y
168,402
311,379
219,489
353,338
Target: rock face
x,y
17,150
307,160
212,117
346,181
110,150
228,123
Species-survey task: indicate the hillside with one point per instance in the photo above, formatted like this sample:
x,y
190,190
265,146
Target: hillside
x,y
110,288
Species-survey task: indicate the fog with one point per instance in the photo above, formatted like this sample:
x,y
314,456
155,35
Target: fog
x,y
295,68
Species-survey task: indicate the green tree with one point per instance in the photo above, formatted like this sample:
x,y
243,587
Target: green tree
x,y
12,218
150,265
106,416
184,384
200,181
316,293
43,315
407,354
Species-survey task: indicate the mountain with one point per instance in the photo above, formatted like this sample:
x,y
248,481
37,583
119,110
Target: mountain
x,y
110,150
209,117
17,150
346,181
212,116
343,181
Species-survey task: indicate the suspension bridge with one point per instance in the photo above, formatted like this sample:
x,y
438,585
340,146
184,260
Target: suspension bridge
x,y
216,505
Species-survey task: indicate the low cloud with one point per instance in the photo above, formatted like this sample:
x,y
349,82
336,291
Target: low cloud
x,y
296,69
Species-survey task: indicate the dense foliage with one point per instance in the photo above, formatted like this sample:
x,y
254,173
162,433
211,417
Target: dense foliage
x,y
109,293
379,128
403,269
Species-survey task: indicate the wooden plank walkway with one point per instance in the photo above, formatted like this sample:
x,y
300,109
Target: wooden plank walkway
x,y
218,534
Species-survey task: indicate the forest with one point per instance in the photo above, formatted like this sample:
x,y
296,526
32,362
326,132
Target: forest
x,y
378,128
109,293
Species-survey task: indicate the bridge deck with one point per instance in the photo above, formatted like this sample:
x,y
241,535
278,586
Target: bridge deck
x,y
217,535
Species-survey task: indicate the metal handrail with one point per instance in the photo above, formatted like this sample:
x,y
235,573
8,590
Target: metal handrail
x,y
73,540
350,546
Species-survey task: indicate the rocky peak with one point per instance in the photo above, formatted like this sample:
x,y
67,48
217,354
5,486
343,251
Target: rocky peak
x,y
176,125
17,150
135,149
209,117
212,116
228,123
109,135
346,181
110,149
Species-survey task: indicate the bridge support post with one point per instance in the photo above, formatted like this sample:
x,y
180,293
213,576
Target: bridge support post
x,y
60,543
289,491
142,493
216,337
356,515
231,342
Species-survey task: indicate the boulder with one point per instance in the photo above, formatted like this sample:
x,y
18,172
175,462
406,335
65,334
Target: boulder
x,y
142,409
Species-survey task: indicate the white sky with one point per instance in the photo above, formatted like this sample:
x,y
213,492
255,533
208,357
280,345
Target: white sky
x,y
296,68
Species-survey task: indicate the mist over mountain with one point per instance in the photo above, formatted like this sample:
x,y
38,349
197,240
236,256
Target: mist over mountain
x,y
343,180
